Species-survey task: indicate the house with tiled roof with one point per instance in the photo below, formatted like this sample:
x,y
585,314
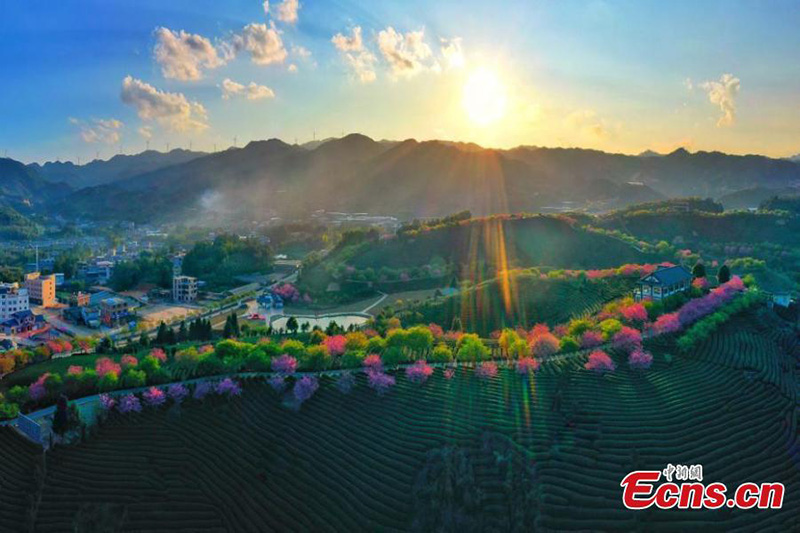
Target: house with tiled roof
x,y
663,282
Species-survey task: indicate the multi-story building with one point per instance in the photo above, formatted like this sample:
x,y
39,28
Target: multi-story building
x,y
41,289
96,273
113,310
13,299
184,288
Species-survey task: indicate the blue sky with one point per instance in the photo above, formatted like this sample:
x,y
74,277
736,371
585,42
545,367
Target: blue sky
x,y
614,75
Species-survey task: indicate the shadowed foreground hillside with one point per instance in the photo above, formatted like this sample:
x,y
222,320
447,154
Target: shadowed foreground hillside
x,y
449,455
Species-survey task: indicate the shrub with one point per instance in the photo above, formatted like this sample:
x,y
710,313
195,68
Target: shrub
x,y
104,365
641,359
74,370
305,388
154,397
133,378
128,360
634,313
317,357
373,362
486,370
590,339
335,344
393,355
159,354
178,392
610,327
544,344
449,373
471,348
419,372
277,382
568,344
353,359
293,348
109,381
600,362
627,339
527,365
380,381
442,353
228,387
376,345
107,402
129,404
356,340
285,364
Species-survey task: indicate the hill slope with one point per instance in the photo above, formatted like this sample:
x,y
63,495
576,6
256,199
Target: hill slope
x,y
99,172
420,179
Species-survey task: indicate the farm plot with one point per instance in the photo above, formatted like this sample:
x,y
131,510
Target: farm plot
x,y
461,453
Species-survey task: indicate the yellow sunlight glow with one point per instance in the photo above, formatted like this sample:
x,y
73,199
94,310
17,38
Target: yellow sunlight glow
x,y
484,97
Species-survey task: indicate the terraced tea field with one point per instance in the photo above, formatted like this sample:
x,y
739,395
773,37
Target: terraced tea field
x,y
460,454
484,309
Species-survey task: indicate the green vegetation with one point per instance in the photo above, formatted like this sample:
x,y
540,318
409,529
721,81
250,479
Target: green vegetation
x,y
147,268
228,256
484,308
424,257
14,226
545,452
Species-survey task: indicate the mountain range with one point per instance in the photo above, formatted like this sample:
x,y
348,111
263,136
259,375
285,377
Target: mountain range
x,y
403,178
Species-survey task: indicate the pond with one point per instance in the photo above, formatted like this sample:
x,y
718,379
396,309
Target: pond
x,y
323,321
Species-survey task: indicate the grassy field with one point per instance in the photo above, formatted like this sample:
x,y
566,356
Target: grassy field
x,y
508,454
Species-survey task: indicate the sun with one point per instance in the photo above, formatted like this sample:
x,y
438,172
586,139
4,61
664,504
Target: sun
x,y
484,97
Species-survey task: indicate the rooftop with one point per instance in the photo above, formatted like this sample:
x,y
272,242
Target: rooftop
x,y
668,276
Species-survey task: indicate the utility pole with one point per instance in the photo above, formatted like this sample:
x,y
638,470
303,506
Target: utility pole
x,y
234,141
167,147
147,143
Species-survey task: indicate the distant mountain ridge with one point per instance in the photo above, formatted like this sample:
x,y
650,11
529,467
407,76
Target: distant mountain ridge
x,y
22,187
99,172
416,179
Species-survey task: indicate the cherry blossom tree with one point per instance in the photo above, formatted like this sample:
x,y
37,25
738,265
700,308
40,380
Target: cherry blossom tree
x,y
627,339
590,339
160,354
600,362
346,382
380,381
107,402
129,404
419,372
285,364
128,361
527,365
335,344
228,387
640,359
373,362
178,392
74,370
486,370
305,388
201,390
104,366
154,397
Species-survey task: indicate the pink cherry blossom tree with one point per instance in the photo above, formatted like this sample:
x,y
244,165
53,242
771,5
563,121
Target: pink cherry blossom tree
x,y
600,362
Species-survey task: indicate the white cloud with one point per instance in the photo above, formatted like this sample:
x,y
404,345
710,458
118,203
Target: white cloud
x,y
262,42
451,52
287,11
146,132
292,68
106,131
301,51
723,94
352,43
253,91
183,55
265,5
171,110
360,60
406,54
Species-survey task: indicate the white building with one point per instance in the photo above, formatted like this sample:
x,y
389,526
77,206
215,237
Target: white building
x,y
13,299
184,288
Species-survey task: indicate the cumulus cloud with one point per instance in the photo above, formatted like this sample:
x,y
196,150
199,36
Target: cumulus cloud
x,y
292,68
262,42
407,54
171,110
723,93
98,130
183,56
287,11
360,60
265,5
252,91
451,52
